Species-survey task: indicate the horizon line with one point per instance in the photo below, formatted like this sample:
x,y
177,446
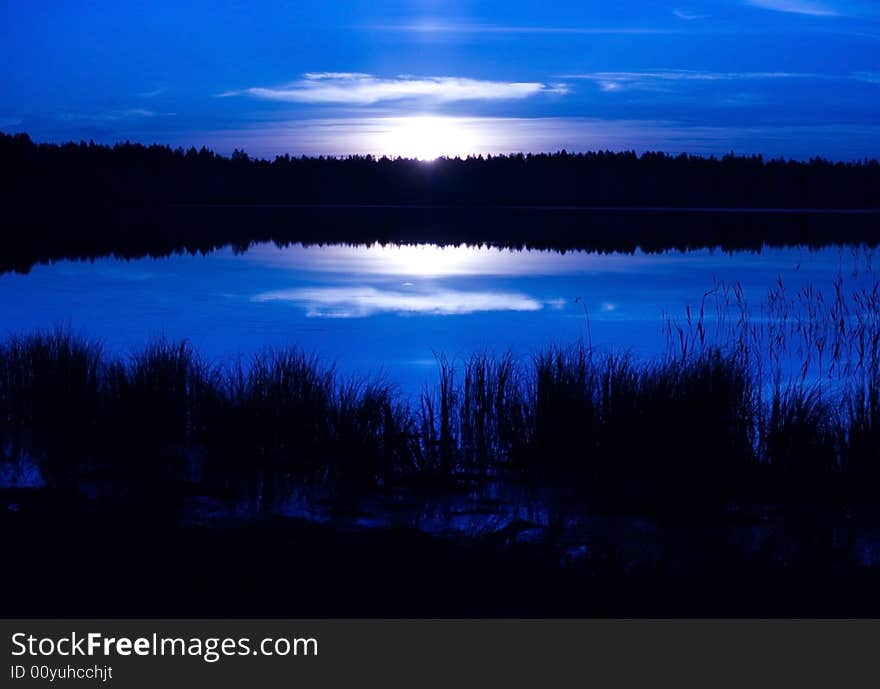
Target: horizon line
x,y
865,160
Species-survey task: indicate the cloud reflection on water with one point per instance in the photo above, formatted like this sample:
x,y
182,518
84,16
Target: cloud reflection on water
x,y
388,309
363,301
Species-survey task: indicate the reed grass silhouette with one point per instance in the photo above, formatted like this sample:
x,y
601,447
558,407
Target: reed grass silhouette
x,y
781,400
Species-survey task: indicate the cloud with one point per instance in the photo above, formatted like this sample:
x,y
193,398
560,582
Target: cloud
x,y
814,8
159,90
688,15
354,88
109,116
361,302
462,27
662,79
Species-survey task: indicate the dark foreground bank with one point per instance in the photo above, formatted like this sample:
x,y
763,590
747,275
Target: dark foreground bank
x,y
96,563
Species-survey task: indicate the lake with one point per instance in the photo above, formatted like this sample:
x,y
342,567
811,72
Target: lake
x,y
388,310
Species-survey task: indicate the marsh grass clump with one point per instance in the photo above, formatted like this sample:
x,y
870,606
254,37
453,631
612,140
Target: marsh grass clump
x,y
494,413
280,410
801,440
160,413
861,435
372,435
607,413
704,408
438,423
50,402
566,409
477,418
145,425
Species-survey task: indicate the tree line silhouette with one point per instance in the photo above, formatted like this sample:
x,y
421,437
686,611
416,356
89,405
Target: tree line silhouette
x,y
86,199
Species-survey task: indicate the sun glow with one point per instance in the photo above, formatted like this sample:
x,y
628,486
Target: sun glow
x,y
424,260
426,137
404,261
431,261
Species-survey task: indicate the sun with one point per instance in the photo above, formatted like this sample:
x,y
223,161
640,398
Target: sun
x,y
425,137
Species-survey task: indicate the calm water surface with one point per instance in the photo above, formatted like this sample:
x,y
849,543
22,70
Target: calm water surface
x,y
388,309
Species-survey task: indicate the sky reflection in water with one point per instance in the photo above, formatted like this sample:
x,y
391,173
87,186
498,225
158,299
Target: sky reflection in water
x,y
388,310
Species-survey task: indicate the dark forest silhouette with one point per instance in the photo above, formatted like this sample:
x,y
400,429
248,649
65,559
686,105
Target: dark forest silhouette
x,y
134,174
86,200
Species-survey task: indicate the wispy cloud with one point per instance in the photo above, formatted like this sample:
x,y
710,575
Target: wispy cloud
x,y
360,302
366,89
109,116
814,8
689,15
648,80
464,27
663,79
152,93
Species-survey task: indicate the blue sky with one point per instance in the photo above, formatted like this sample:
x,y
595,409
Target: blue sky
x,y
779,77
